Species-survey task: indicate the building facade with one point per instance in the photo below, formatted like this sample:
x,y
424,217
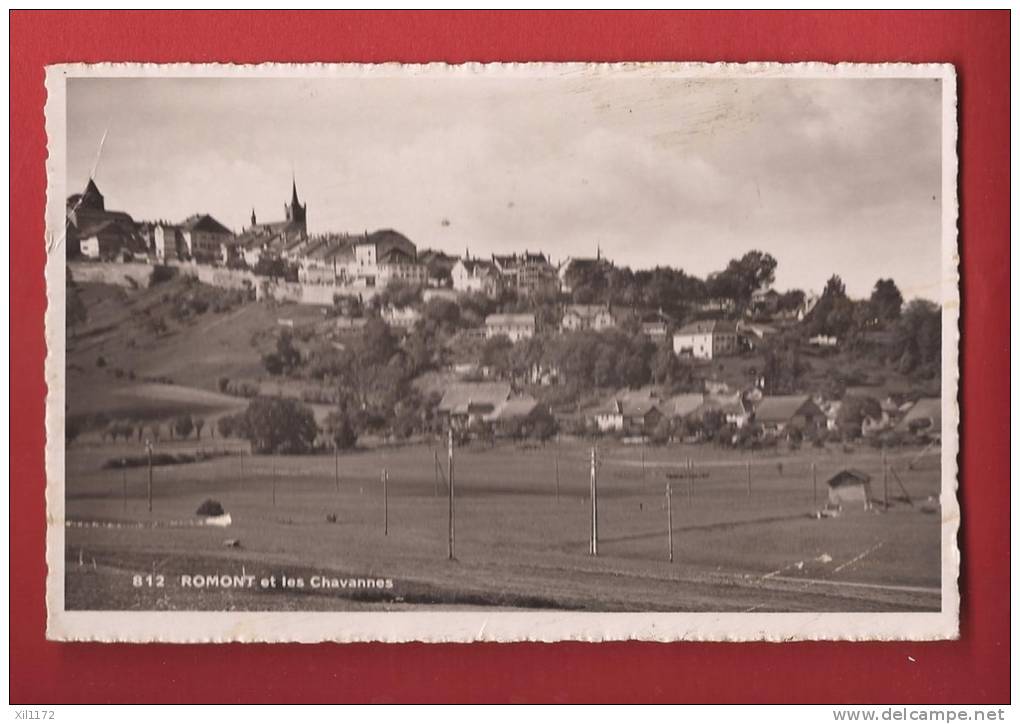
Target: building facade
x,y
706,340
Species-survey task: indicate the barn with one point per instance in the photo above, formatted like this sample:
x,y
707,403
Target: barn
x,y
850,488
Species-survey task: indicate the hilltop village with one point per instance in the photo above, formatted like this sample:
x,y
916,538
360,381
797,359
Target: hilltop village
x,y
518,345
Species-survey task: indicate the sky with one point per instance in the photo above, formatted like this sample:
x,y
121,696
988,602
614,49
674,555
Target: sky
x,y
827,175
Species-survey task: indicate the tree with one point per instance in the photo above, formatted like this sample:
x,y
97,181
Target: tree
x,y
543,424
183,426
496,353
666,368
886,300
279,425
287,353
853,411
662,432
225,425
341,432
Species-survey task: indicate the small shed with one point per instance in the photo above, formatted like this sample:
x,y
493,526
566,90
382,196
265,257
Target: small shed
x,y
850,488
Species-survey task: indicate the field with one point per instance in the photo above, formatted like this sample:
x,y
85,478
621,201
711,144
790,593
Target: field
x,y
519,543
522,515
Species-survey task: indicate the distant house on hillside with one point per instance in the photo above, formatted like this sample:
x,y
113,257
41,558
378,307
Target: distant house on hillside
x,y
205,238
682,406
732,408
632,412
514,326
475,275
923,418
706,339
167,241
469,402
716,305
764,301
579,317
578,268
780,413
401,317
655,326
526,273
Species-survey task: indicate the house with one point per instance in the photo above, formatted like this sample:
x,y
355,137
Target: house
x,y
716,305
823,340
401,317
514,326
632,412
764,301
580,317
384,256
779,413
204,237
706,339
465,403
512,413
431,293
105,241
682,406
923,418
526,273
655,326
478,276
364,260
810,302
732,407
577,269
166,242
850,488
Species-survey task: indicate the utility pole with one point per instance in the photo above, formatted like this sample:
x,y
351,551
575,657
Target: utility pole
x,y
747,469
885,482
814,482
336,467
123,464
274,478
148,447
450,486
594,504
557,473
435,469
690,480
669,518
386,502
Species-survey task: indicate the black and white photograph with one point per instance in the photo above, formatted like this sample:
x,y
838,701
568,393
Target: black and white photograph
x,y
502,352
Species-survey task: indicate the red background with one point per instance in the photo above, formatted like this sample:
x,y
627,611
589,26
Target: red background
x,y
973,669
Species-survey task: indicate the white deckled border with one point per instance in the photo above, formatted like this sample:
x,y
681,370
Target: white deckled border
x,y
459,626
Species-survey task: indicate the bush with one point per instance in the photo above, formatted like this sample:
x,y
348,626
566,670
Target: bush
x,y
225,426
222,383
340,430
160,274
210,508
184,425
282,425
100,361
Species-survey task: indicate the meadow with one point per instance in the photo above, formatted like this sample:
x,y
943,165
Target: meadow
x,y
522,524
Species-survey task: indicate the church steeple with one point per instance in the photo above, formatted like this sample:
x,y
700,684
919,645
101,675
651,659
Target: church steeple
x,y
295,211
253,217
